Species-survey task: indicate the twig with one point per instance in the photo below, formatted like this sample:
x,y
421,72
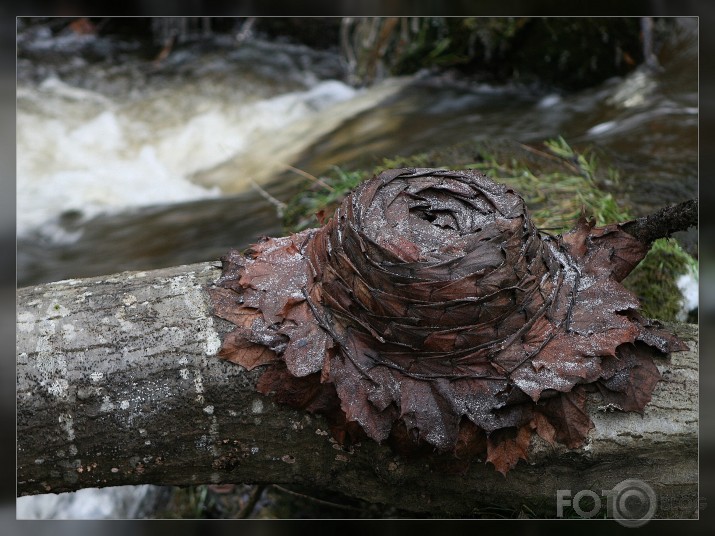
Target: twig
x,y
664,222
310,176
316,500
280,205
549,156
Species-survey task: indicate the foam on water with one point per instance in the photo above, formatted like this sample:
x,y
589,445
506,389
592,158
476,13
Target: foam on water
x,y
88,153
92,168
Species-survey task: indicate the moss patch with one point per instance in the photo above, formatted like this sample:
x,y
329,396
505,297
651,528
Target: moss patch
x,y
654,279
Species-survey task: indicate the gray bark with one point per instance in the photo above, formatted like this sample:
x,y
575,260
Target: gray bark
x,y
118,383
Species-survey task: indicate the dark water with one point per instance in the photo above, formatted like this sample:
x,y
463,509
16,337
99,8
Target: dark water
x,y
646,124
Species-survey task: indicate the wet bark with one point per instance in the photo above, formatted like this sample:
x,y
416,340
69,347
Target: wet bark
x,y
118,383
664,222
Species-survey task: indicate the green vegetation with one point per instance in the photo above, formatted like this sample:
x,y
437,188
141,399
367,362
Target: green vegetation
x,y
325,193
556,197
558,184
566,52
654,279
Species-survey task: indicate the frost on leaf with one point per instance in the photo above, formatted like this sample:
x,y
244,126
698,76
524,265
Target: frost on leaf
x,y
431,314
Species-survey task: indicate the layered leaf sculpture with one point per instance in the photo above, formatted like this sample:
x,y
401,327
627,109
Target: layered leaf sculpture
x,y
431,313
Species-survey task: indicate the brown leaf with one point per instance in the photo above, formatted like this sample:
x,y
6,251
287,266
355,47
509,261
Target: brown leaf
x,y
568,415
424,409
237,349
506,447
430,312
603,343
305,392
273,278
354,389
631,386
321,216
306,349
542,426
614,250
227,304
576,239
657,337
598,305
471,441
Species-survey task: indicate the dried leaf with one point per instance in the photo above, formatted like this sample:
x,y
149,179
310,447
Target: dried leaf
x,y
568,414
304,392
423,408
306,348
542,426
237,349
228,305
632,384
471,442
431,313
505,448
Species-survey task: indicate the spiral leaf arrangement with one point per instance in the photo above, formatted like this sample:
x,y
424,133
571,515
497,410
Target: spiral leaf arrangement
x,y
430,312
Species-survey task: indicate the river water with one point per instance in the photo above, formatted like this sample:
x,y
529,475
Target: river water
x,y
128,163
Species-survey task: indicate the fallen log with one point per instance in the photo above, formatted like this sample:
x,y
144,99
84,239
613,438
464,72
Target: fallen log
x,y
118,383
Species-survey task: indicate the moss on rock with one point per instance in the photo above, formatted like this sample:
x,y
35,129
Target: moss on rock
x,y
654,280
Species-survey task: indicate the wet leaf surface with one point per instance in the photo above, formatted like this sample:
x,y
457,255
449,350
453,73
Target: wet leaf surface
x,y
429,312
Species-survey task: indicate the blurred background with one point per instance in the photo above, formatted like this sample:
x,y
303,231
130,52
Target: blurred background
x,y
144,143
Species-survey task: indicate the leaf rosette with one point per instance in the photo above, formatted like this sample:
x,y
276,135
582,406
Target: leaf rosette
x,y
430,312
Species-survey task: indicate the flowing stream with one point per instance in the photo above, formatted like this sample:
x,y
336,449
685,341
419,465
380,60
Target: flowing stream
x,y
134,164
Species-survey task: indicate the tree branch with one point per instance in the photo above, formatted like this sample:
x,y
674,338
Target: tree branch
x,y
664,222
118,383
